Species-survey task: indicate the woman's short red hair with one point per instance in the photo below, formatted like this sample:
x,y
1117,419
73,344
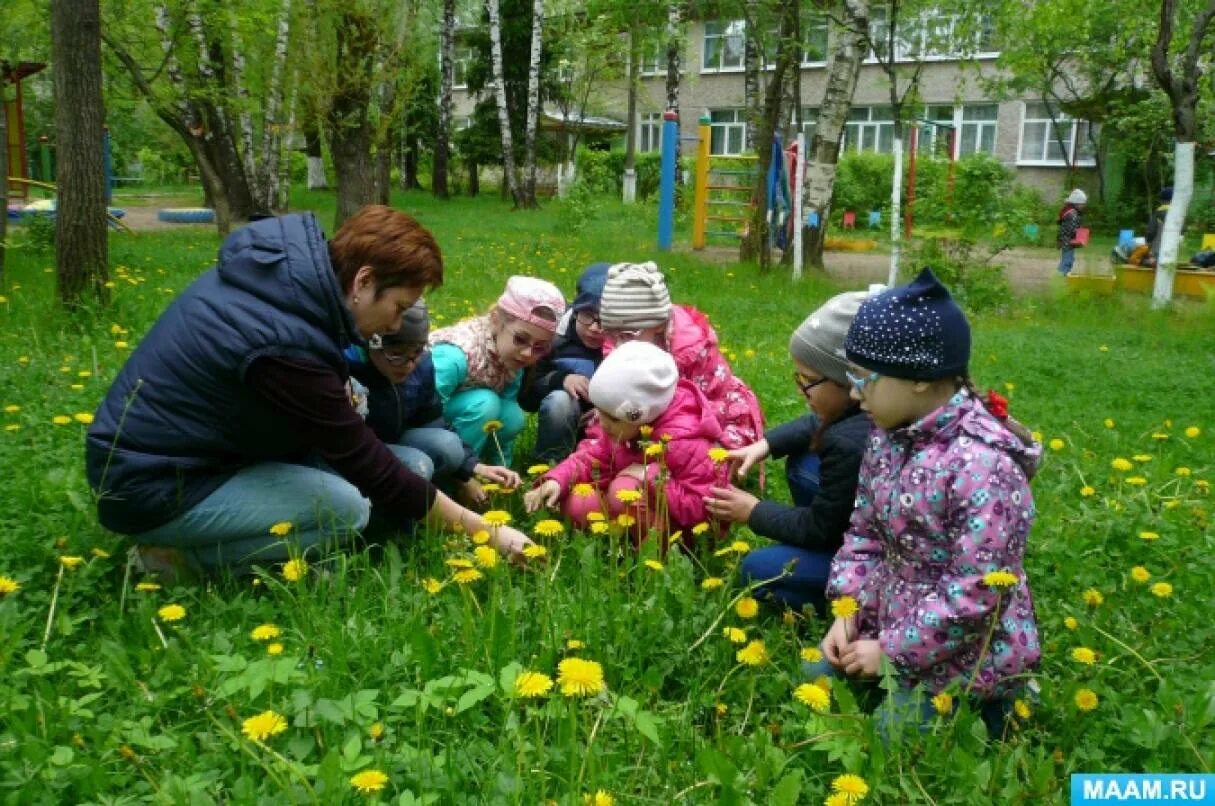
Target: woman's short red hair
x,y
399,250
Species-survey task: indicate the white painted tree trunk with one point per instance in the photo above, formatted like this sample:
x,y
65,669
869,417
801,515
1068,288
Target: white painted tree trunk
x,y
896,213
1174,223
799,178
273,131
533,106
245,113
509,178
316,173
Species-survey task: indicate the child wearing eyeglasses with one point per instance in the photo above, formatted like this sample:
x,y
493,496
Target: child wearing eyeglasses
x,y
479,364
556,388
822,451
636,386
933,554
397,379
636,306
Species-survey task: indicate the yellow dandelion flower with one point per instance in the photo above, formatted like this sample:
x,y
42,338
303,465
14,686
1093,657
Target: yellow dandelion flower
x,y
943,703
666,438
263,726
753,654
282,528
532,684
836,799
12,409
1104,348
1071,623
467,576
598,528
740,547
1036,436
747,607
1093,597
1183,471
712,583
8,585
265,632
1056,444
535,551
171,613
376,731
1121,464
1160,436
496,517
295,570
1022,710
1202,485
368,782
811,654
100,554
61,419
432,585
549,528
485,556
735,635
574,645
579,678
813,696
70,561
718,455
83,417
274,649
628,496
722,709
1141,458
583,490
491,426
1140,574
1193,431
625,520
1000,579
120,345
538,470
147,587
491,487
600,798
654,565
595,517
1149,536
700,528
1162,589
1109,423
850,786
1087,491
480,537
1083,654
844,607
675,537
458,562
1086,699
654,450
646,431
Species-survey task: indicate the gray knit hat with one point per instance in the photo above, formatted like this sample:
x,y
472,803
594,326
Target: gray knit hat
x,y
415,328
635,296
818,342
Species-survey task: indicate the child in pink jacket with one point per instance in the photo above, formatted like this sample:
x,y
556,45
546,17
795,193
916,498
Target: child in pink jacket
x,y
638,386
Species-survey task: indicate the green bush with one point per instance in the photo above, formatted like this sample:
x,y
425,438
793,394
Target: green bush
x,y
975,282
603,171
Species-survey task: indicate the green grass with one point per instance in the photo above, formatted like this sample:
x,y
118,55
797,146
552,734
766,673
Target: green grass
x,y
119,706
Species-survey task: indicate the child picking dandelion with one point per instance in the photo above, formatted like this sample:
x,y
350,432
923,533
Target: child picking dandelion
x,y
943,503
479,364
637,386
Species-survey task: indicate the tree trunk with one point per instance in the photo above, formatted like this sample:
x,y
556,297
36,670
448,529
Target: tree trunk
x,y
3,186
350,130
533,107
630,137
315,157
674,66
272,128
824,152
510,181
81,245
438,182
383,170
409,178
474,178
896,204
245,114
752,95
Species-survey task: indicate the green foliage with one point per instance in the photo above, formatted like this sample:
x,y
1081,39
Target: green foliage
x,y
603,171
975,282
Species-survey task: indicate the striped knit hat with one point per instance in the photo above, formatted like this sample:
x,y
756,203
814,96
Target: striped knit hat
x,y
635,297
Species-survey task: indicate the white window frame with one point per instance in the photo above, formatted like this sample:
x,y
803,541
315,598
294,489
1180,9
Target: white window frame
x,y
927,141
461,55
979,125
729,29
1074,129
813,21
653,61
914,37
854,140
809,123
649,132
737,125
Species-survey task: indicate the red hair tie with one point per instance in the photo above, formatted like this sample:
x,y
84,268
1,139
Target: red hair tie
x,y
997,404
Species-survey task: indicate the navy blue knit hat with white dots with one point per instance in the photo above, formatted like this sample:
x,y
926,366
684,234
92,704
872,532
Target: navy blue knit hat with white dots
x,y
915,332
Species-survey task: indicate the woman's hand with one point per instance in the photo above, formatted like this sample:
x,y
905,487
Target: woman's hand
x,y
863,658
546,495
473,492
748,456
509,542
730,504
498,474
836,644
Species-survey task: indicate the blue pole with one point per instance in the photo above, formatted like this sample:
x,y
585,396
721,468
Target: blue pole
x,y
108,161
666,193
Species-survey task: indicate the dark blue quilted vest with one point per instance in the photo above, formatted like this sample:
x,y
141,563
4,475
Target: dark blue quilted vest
x,y
179,419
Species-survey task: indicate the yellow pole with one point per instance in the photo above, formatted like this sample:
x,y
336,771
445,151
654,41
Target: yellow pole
x,y
700,210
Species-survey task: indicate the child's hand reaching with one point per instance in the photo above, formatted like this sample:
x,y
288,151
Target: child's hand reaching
x,y
836,643
501,475
730,504
863,658
546,495
748,456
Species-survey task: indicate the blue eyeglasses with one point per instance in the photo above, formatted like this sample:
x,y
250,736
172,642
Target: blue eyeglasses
x,y
859,383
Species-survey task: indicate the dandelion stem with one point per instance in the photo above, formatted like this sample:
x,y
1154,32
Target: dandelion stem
x,y
586,753
159,634
745,592
1129,649
995,618
50,614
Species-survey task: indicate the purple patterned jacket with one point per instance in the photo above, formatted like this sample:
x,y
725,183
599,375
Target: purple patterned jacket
x,y
939,504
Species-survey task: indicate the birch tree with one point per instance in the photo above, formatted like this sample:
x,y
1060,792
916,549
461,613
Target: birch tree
x,y
533,107
510,181
447,43
1180,75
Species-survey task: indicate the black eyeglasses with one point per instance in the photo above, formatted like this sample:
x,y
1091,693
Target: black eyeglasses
x,y
588,319
804,383
397,359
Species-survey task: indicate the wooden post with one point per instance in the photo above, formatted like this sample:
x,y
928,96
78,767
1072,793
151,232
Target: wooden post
x,y
700,205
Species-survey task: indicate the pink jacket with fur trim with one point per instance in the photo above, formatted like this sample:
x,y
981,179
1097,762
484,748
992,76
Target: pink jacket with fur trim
x,y
692,342
693,430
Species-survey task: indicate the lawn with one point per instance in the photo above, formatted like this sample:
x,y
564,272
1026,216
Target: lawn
x,y
381,661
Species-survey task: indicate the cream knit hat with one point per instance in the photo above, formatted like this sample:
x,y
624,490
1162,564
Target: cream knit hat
x,y
635,383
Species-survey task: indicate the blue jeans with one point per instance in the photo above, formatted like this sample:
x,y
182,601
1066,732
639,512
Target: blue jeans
x,y
442,448
802,473
913,704
557,426
1067,259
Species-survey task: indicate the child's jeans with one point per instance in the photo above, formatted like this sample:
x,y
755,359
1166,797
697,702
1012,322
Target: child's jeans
x,y
470,410
557,426
913,705
1067,259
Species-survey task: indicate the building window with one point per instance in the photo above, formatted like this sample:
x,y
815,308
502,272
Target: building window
x,y
977,133
814,38
649,131
462,57
809,124
1059,143
932,36
870,128
723,46
727,132
653,60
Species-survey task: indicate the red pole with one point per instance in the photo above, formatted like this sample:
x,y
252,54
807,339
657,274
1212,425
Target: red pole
x,y
909,217
953,134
